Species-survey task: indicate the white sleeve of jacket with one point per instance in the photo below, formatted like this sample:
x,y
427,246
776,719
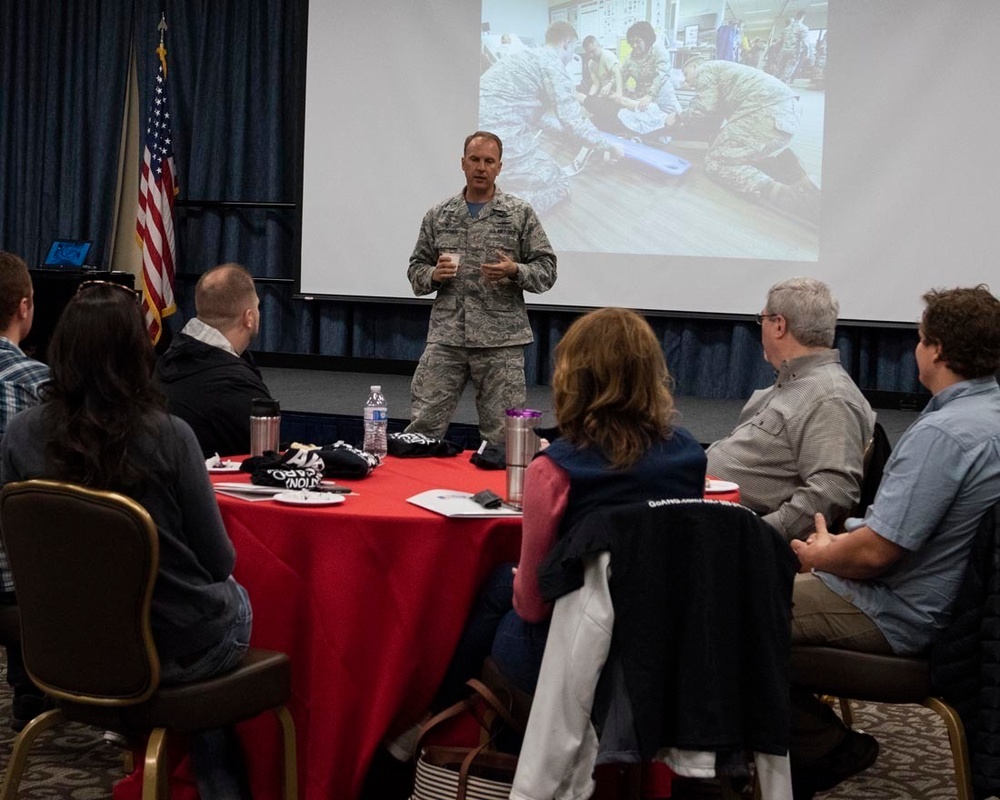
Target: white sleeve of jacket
x,y
560,743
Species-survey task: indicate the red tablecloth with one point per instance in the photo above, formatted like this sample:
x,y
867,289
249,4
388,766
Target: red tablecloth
x,y
368,598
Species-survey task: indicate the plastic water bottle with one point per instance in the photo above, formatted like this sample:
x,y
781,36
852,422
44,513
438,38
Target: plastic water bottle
x,y
376,421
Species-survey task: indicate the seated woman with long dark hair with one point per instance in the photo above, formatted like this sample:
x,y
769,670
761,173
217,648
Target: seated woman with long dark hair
x,y
102,424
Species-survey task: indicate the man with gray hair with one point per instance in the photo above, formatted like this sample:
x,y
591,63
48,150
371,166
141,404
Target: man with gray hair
x,y
798,448
207,374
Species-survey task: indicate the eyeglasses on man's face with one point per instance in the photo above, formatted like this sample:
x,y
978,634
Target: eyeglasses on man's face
x,y
761,317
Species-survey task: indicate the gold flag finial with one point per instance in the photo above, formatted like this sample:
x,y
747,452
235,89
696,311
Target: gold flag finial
x,y
161,51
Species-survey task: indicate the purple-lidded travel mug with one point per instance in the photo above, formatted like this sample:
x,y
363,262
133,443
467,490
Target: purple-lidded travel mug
x,y
522,444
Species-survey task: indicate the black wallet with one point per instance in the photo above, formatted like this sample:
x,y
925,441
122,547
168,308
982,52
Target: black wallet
x,y
488,499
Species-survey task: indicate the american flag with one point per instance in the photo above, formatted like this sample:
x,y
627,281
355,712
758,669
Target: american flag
x,y
155,217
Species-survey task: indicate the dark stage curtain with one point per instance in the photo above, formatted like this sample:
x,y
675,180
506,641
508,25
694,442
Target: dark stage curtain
x,y
236,77
63,71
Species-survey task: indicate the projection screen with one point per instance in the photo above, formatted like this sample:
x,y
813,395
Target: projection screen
x,y
896,127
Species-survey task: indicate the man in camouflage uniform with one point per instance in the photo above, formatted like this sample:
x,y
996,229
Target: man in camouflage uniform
x,y
515,93
479,323
750,154
794,48
649,66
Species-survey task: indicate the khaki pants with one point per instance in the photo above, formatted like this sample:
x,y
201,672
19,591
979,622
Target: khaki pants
x,y
820,616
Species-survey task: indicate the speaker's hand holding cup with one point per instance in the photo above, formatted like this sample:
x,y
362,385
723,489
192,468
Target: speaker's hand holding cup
x,y
447,266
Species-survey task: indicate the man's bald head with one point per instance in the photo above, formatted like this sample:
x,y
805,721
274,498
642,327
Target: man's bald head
x,y
226,299
222,295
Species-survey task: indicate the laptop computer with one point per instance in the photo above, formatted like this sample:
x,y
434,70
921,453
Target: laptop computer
x,y
67,253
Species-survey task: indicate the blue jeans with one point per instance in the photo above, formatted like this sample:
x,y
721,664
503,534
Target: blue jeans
x,y
216,757
494,628
223,655
518,648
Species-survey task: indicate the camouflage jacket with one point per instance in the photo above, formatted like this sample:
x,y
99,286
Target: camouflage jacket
x,y
650,72
515,92
796,38
469,311
736,90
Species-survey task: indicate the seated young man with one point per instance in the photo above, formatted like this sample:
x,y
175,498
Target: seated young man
x,y
888,585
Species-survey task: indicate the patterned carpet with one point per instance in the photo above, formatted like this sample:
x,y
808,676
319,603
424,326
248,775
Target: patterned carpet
x,y
69,762
914,757
914,761
74,763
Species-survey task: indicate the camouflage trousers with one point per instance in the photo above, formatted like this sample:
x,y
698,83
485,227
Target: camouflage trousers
x,y
497,374
740,146
788,65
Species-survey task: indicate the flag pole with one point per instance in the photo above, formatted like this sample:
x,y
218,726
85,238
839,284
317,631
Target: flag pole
x,y
155,213
161,51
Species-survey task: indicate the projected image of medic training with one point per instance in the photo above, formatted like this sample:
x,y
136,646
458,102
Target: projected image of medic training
x,y
658,132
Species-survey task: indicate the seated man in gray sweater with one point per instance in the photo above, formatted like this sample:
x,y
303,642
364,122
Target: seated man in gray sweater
x,y
799,446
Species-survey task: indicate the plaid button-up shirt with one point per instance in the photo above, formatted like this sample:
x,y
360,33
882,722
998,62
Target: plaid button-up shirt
x,y
21,378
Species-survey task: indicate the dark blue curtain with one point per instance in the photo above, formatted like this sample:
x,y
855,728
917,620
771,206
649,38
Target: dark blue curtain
x,y
63,71
236,76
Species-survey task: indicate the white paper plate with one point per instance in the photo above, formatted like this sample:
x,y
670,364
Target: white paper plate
x,y
307,498
715,487
225,466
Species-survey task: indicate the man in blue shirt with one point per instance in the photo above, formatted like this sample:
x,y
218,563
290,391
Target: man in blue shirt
x,y
888,585
21,378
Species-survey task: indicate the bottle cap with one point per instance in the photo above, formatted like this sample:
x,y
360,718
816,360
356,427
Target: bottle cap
x,y
376,388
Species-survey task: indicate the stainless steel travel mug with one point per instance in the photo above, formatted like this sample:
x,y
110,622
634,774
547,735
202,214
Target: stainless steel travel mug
x,y
265,425
522,444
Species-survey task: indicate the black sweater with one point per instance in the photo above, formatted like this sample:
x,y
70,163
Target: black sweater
x,y
193,602
211,391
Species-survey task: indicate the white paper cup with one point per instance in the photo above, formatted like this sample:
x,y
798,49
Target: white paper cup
x,y
454,258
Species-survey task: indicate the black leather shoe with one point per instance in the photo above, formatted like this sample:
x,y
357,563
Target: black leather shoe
x,y
26,707
854,754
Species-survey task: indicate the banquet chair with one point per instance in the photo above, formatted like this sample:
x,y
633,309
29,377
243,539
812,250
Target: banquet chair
x,y
686,602
873,678
85,563
625,785
929,680
876,455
